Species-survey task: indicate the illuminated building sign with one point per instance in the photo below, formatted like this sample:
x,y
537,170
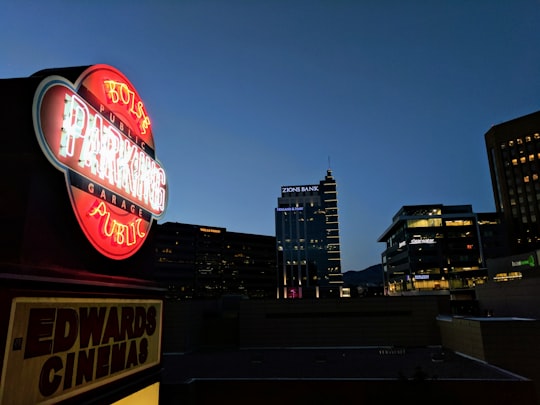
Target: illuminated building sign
x,y
97,132
299,189
293,292
290,209
527,262
61,347
428,241
210,230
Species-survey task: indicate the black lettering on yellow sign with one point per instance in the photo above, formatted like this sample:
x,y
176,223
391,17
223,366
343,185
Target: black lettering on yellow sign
x,y
110,340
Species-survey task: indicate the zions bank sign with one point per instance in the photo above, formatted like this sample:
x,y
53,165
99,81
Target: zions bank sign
x,y
98,133
300,189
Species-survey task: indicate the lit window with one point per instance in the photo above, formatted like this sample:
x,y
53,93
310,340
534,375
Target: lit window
x,y
514,161
535,176
531,158
527,139
458,222
526,179
421,223
522,159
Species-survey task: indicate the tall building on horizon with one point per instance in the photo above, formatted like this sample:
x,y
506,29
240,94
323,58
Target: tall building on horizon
x,y
513,150
307,238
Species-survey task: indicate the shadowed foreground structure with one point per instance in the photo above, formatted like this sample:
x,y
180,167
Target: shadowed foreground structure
x,y
285,352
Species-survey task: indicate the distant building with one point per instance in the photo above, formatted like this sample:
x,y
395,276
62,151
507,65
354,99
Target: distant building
x,y
513,150
209,262
307,236
439,249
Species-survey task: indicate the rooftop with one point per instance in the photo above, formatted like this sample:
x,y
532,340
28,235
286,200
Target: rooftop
x,y
335,363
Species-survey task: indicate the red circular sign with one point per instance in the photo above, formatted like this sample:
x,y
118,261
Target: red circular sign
x,y
97,131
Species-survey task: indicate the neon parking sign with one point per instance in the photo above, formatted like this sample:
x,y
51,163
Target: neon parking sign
x,y
98,133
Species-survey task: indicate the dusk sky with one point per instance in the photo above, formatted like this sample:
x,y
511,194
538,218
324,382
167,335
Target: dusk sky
x,y
246,96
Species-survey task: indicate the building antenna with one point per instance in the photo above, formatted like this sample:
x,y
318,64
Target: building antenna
x,y
329,166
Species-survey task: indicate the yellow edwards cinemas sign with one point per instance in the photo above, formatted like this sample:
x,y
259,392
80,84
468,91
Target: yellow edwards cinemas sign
x,y
60,347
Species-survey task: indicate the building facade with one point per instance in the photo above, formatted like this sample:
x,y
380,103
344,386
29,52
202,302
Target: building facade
x,y
513,150
439,249
209,262
308,244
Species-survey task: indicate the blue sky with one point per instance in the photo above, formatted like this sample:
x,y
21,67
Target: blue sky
x,y
247,96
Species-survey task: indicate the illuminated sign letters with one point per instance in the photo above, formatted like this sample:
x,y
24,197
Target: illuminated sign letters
x,y
428,241
210,230
62,347
527,262
97,131
299,189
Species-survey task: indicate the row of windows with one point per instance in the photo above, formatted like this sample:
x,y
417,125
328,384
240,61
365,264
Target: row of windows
x,y
434,222
519,189
525,159
301,240
421,211
519,141
524,217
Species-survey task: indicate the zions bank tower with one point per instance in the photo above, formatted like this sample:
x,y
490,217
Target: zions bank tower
x,y
307,237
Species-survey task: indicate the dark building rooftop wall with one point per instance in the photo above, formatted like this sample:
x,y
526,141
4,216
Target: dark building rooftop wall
x,y
376,321
400,321
510,343
518,298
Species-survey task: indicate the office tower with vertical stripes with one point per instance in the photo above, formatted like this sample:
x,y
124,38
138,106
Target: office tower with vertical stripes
x,y
307,238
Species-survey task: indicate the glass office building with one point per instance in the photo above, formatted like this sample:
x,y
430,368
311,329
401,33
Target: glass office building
x,y
307,237
438,249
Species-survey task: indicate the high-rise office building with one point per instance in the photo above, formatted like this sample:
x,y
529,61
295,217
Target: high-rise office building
x,y
439,249
307,236
513,149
